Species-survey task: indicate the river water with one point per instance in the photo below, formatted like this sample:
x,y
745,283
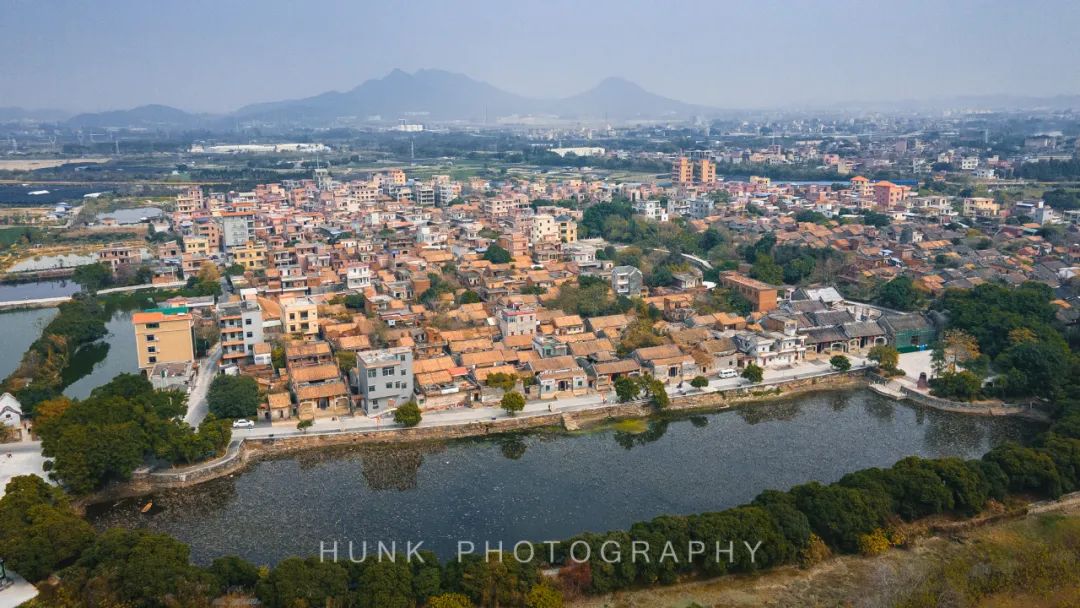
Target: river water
x,y
548,486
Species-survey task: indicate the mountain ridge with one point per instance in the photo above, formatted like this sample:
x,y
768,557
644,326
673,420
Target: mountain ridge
x,y
427,94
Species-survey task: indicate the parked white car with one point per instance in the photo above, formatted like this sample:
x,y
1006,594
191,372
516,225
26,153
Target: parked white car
x,y
243,424
729,373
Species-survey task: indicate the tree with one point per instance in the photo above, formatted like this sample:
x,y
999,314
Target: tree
x,y
233,397
346,360
469,297
753,373
885,355
501,380
957,347
449,600
235,573
840,363
92,277
656,391
497,255
41,533
766,269
513,402
961,385
699,382
626,388
408,414
900,294
544,596
299,582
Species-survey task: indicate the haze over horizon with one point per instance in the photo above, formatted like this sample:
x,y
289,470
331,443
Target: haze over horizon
x,y
209,56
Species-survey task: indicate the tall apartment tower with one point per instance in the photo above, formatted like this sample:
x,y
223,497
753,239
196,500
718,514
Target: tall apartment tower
x,y
706,171
682,171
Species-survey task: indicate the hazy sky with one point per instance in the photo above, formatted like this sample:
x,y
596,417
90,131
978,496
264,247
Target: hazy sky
x,y
216,55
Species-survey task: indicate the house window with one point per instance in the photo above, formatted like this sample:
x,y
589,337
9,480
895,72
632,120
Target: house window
x,y
371,373
152,359
151,349
388,371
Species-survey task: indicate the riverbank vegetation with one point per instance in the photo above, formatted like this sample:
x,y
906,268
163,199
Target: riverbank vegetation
x,y
122,426
39,376
1002,342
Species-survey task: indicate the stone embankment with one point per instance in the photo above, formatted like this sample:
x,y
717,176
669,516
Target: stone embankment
x,y
242,452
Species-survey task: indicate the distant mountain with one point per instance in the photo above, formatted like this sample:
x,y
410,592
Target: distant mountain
x,y
150,116
14,114
440,95
424,96
618,98
428,94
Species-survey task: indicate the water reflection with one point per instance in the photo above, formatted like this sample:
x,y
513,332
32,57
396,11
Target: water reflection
x,y
540,486
513,447
654,432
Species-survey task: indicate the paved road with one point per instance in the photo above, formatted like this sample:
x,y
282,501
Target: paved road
x,y
197,407
20,458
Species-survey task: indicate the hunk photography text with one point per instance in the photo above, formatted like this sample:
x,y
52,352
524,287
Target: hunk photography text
x,y
525,552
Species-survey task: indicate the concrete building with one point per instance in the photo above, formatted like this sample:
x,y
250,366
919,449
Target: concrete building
x,y
237,229
163,335
626,281
682,171
762,296
300,317
517,321
241,327
383,379
11,412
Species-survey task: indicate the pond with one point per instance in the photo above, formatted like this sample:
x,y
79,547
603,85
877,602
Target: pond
x,y
98,363
549,486
21,328
34,290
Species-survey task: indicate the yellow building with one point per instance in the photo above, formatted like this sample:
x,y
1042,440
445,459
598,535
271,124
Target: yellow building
x,y
300,316
567,229
199,245
251,256
163,335
706,171
682,171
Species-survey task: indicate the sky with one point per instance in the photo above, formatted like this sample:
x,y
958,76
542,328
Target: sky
x,y
217,55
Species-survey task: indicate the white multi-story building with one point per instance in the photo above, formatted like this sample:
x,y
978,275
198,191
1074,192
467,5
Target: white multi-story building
x,y
383,379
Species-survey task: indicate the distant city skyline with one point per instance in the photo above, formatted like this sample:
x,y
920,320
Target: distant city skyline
x,y
207,56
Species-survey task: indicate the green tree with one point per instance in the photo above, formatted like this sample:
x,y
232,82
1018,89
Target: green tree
x,y
233,396
627,388
513,402
885,355
40,532
840,363
753,373
386,584
497,255
449,600
408,414
346,360
900,294
233,572
501,380
93,277
766,269
699,382
544,596
310,582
